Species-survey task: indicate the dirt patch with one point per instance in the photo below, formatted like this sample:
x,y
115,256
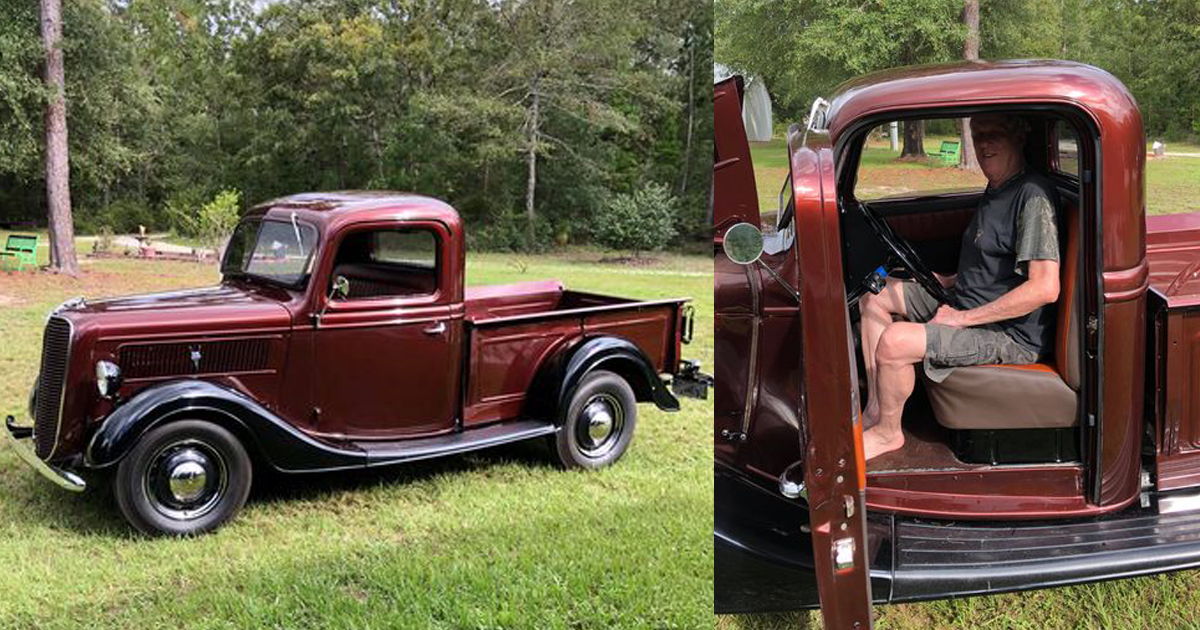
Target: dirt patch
x,y
8,300
628,261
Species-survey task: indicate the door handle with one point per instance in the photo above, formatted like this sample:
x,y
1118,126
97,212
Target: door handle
x,y
436,329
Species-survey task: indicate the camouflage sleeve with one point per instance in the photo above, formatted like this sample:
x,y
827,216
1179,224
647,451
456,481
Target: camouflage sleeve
x,y
1037,231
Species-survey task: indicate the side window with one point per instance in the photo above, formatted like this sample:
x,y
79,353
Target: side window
x,y
935,147
389,263
1066,149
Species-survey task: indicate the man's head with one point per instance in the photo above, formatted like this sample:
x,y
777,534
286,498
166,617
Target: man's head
x,y
999,145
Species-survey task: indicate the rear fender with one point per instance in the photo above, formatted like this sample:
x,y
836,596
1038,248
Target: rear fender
x,y
563,373
282,446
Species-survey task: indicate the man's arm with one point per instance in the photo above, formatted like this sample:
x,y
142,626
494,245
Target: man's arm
x,y
1040,289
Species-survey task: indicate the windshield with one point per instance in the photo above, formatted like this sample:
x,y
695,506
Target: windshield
x,y
277,251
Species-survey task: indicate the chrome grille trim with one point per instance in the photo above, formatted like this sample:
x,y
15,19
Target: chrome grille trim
x,y
52,385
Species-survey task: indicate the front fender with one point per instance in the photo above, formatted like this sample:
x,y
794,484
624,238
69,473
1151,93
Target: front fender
x,y
563,373
283,446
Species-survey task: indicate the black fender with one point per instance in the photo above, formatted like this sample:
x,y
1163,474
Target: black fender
x,y
561,374
283,446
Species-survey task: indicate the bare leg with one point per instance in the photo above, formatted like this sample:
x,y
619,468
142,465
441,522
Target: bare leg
x,y
876,312
901,345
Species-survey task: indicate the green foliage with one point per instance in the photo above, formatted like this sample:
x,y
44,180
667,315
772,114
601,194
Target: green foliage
x,y
805,49
641,221
218,217
170,101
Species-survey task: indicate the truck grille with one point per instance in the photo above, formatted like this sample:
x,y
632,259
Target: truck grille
x,y
56,346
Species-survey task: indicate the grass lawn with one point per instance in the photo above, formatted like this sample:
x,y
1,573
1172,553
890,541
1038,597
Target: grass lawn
x,y
496,539
1160,601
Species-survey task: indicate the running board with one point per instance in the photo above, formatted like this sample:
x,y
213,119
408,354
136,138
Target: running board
x,y
396,452
935,560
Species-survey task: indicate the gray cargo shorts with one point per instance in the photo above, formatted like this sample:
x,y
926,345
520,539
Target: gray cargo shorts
x,y
948,347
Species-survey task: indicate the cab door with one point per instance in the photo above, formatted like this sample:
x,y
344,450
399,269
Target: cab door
x,y
389,351
831,428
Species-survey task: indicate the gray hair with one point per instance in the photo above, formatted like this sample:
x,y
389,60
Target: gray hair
x,y
1014,125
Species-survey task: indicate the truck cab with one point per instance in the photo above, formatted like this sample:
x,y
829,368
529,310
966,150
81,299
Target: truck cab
x,y
341,336
1002,464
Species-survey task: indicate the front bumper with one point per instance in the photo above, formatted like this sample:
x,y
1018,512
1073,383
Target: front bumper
x,y
21,440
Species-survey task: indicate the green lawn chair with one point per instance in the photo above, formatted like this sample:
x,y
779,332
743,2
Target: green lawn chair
x,y
22,248
948,154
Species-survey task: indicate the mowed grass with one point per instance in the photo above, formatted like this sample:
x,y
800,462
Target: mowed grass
x,y
496,539
1153,602
1172,182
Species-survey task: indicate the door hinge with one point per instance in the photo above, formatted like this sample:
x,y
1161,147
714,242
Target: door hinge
x,y
1093,324
733,436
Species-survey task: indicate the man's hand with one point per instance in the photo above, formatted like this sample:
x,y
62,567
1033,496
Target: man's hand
x,y
949,316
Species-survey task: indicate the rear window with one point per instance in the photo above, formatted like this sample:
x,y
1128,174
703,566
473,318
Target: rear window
x,y
1066,149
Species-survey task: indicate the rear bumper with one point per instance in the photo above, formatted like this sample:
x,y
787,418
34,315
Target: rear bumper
x,y
690,382
21,440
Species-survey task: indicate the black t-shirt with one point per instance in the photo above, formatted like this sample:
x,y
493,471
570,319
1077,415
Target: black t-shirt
x,y
1015,223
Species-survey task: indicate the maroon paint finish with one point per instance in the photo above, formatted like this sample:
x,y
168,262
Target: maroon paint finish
x,y
734,195
833,468
382,368
1094,96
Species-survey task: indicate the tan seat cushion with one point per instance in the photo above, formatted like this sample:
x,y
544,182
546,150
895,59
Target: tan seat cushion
x,y
1003,397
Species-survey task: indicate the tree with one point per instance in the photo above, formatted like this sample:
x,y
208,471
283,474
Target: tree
x,y
58,190
564,61
642,221
968,160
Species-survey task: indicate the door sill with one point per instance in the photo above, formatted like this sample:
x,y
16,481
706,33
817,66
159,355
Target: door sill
x,y
399,451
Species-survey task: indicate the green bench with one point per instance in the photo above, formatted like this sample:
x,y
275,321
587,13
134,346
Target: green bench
x,y
948,154
21,248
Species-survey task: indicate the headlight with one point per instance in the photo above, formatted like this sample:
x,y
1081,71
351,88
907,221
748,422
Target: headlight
x,y
108,378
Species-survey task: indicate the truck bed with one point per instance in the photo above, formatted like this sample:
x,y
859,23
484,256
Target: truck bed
x,y
512,329
1173,253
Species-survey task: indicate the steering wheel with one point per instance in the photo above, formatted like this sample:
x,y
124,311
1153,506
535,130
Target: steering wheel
x,y
904,253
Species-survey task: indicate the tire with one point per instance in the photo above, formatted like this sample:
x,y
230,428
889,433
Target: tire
x,y
601,397
156,504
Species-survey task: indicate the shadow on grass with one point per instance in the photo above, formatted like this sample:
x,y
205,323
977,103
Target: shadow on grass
x,y
801,620
38,503
271,486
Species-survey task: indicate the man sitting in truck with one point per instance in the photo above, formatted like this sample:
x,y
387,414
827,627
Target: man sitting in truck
x,y
999,310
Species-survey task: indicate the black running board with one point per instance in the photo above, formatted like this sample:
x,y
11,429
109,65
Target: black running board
x,y
400,451
936,560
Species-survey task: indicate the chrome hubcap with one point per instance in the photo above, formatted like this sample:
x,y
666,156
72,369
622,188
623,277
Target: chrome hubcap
x,y
186,479
601,422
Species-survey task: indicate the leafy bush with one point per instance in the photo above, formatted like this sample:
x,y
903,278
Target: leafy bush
x,y
218,217
183,211
638,222
505,232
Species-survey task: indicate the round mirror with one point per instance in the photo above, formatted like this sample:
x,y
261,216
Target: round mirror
x,y
743,243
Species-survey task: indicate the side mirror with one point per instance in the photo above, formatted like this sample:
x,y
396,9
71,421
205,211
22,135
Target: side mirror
x,y
743,243
341,288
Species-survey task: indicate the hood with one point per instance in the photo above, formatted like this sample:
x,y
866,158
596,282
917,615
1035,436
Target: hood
x,y
220,309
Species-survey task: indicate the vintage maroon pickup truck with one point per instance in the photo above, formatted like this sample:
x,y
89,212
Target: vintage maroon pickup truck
x,y
340,337
1080,468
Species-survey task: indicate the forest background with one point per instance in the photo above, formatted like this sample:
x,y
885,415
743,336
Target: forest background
x,y
529,116
804,49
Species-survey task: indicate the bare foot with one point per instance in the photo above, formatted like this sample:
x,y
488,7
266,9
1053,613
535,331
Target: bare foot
x,y
876,442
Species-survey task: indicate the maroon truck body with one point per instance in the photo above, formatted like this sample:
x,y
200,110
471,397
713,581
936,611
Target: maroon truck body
x,y
405,363
956,511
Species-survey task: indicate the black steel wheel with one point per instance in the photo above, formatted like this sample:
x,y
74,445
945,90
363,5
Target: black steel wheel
x,y
183,478
598,422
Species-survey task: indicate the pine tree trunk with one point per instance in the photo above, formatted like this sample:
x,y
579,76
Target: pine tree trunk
x,y
58,189
914,139
531,158
968,161
691,114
